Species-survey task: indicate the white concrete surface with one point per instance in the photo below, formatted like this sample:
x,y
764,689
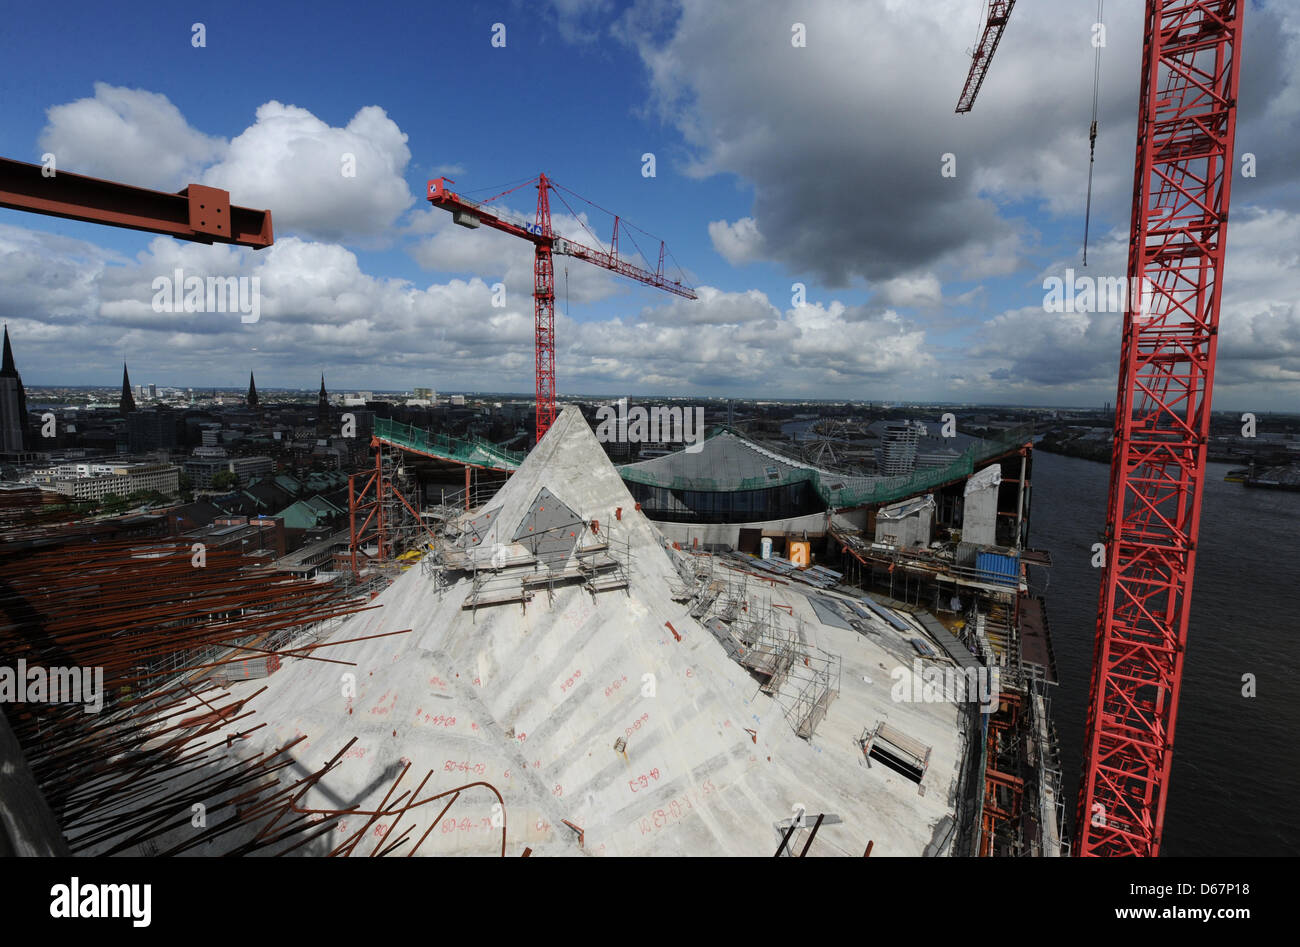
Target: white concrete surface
x,y
532,701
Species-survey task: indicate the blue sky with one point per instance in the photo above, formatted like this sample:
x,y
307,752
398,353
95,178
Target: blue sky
x,y
774,164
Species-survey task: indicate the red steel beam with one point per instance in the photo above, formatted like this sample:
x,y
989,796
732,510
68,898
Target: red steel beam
x,y
199,213
1191,60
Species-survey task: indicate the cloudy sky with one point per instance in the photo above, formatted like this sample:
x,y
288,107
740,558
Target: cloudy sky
x,y
775,164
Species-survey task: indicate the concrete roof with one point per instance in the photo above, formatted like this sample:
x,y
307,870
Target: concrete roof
x,y
905,508
533,699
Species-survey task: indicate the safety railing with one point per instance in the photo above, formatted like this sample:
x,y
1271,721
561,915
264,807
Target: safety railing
x,y
474,451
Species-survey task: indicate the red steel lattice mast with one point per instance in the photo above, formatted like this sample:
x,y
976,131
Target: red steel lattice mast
x,y
472,214
544,312
1182,176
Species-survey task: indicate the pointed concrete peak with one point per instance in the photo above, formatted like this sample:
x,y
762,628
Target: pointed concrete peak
x,y
569,460
568,477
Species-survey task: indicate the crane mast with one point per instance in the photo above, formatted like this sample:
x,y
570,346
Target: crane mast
x,y
1182,177
546,244
1187,109
544,312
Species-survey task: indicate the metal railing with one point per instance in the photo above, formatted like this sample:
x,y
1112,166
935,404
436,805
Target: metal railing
x,y
471,450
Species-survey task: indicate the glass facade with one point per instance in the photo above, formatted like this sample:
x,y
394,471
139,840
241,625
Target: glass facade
x,y
735,506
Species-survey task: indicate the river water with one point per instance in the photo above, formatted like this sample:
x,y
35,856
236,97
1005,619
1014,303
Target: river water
x,y
1236,759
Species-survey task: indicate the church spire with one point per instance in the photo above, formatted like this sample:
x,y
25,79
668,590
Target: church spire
x,y
127,402
15,432
252,391
322,410
7,369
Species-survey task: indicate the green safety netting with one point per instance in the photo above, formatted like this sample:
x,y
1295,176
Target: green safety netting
x,y
461,450
836,491
843,491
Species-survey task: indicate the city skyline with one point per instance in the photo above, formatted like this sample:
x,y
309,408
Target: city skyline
x,y
344,390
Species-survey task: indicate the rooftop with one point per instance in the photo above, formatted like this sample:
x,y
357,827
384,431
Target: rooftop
x,y
727,461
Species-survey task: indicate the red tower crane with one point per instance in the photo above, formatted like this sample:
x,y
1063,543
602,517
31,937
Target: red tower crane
x,y
470,213
1187,116
994,24
1182,176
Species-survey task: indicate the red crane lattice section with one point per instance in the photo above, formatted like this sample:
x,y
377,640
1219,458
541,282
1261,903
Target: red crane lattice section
x,y
1183,171
544,312
994,24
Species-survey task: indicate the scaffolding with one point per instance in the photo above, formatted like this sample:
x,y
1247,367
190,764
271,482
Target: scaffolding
x,y
382,522
605,563
599,561
499,585
434,568
818,681
1003,815
768,653
801,678
992,635
896,750
454,504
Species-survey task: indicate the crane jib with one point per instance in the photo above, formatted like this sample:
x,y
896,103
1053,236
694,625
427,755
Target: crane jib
x,y
474,214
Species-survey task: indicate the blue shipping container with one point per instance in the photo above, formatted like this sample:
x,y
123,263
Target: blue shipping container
x,y
997,567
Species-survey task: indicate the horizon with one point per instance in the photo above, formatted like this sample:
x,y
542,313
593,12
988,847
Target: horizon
x,y
530,396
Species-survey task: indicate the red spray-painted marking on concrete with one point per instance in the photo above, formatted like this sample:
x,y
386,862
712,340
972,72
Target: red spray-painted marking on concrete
x,y
676,810
609,691
643,780
636,724
450,766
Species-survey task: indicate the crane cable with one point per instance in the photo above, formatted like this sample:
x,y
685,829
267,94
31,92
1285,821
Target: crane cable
x,y
1092,136
979,28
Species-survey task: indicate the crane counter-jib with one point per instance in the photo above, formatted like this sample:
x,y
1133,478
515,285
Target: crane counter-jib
x,y
472,214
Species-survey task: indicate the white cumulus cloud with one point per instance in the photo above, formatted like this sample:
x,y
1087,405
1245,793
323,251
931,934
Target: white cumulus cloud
x,y
128,135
